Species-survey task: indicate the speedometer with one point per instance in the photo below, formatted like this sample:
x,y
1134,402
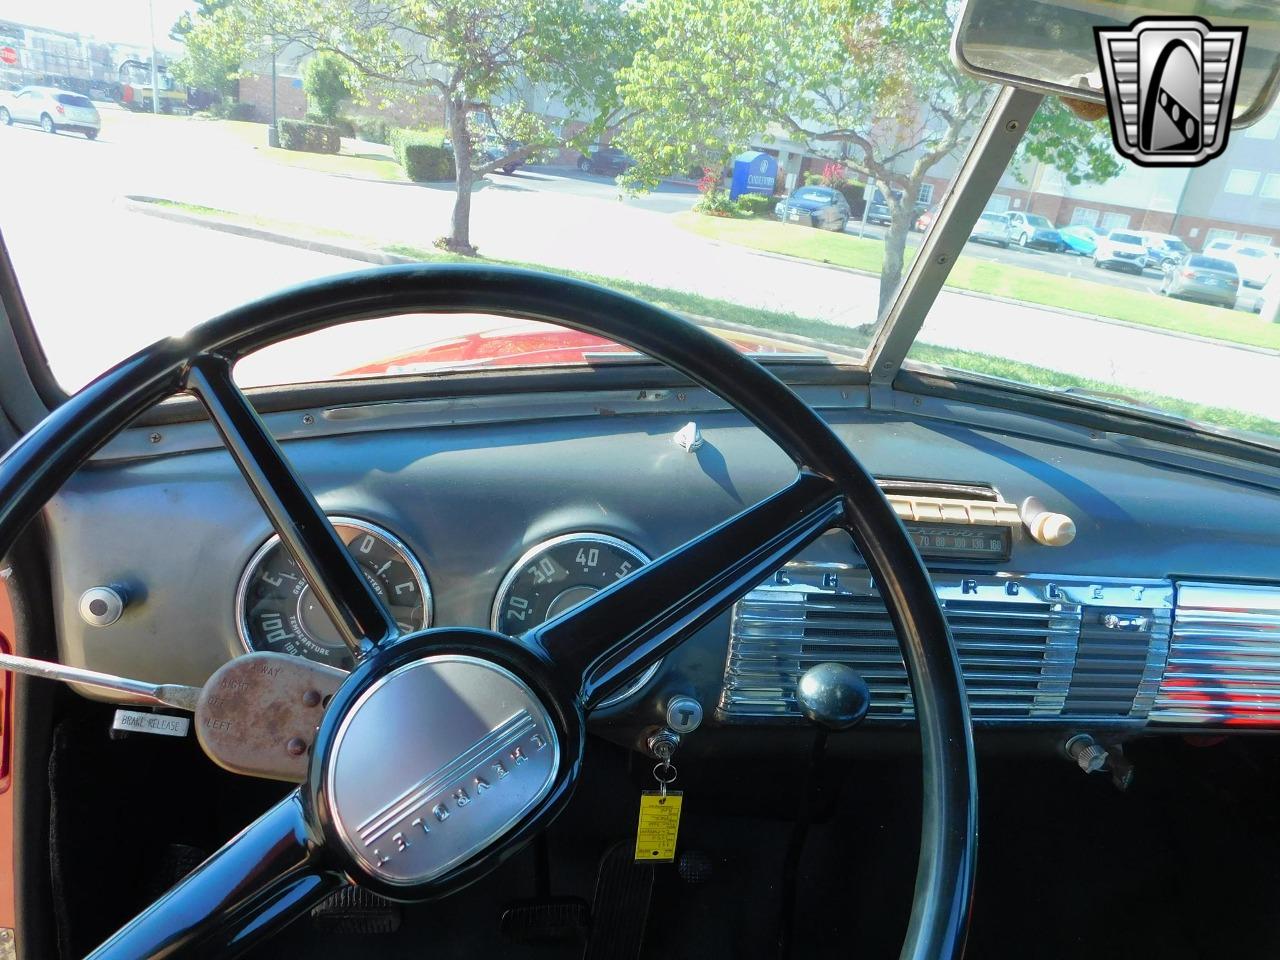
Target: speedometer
x,y
556,576
277,610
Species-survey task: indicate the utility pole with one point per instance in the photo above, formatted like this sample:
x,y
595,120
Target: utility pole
x,y
155,84
273,135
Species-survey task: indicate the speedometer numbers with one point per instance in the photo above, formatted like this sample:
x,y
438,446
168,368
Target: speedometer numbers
x,y
277,610
556,576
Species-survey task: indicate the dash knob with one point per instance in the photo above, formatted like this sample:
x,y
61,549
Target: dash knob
x,y
101,606
833,696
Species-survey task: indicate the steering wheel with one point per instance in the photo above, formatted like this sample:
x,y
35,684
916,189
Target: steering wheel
x,y
446,749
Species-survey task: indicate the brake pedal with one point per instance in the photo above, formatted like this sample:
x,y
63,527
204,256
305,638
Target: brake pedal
x,y
356,910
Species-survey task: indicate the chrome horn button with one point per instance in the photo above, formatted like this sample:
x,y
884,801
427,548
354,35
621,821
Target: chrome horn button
x,y
434,762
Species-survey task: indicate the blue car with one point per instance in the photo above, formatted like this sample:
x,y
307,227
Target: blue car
x,y
1080,240
821,207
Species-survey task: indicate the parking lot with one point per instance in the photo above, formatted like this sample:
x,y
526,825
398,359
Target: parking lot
x,y
1066,264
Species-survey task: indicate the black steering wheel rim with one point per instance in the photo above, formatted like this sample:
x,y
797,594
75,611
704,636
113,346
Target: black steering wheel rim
x,y
33,470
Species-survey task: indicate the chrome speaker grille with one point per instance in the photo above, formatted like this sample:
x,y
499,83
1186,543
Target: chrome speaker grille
x,y
1017,639
1224,657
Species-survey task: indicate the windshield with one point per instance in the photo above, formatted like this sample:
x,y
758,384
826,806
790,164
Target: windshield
x,y
641,144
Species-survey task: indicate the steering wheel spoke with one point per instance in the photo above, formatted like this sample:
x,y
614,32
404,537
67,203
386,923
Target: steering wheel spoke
x,y
339,586
261,879
661,604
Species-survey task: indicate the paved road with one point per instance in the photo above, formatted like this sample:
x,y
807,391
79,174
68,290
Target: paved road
x,y
102,281
566,181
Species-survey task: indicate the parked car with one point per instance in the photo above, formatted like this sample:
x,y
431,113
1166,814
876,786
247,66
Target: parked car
x,y
52,110
1121,248
1033,230
1254,262
609,161
497,149
878,210
1198,276
823,207
924,220
1164,248
1080,239
991,228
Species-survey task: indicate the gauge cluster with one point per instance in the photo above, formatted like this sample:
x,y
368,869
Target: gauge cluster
x,y
557,575
277,611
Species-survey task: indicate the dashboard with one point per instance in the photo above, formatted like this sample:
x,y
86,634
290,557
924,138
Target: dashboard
x,y
1161,614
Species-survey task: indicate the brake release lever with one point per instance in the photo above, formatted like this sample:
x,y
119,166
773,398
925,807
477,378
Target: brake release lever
x,y
257,715
173,695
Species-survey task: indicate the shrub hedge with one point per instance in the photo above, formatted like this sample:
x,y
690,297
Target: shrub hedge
x,y
423,154
310,137
755,205
373,129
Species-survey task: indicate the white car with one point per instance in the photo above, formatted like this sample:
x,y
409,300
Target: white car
x,y
1121,248
51,109
1254,262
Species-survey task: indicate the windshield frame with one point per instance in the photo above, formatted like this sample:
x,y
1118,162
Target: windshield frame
x,y
965,199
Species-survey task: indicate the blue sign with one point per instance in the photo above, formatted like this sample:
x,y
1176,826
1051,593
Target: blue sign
x,y
753,173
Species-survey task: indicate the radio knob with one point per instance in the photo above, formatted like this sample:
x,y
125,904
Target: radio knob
x,y
1046,527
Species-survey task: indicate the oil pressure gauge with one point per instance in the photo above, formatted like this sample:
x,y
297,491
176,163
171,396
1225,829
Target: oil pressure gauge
x,y
277,610
557,575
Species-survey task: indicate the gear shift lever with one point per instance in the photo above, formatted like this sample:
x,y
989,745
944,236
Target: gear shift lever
x,y
833,698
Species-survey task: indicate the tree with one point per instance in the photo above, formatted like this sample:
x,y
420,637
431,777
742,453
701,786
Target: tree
x,y
204,66
481,60
867,82
325,81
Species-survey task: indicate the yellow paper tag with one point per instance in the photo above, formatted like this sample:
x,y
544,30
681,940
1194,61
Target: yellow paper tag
x,y
659,825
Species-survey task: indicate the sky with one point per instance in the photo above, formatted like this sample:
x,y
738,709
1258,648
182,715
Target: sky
x,y
123,21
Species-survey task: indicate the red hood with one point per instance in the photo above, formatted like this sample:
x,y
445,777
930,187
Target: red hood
x,y
535,345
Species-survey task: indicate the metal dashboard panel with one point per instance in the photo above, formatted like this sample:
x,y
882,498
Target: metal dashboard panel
x,y
1031,647
1224,659
175,527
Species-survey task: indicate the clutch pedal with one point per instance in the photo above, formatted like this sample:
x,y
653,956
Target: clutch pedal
x,y
356,910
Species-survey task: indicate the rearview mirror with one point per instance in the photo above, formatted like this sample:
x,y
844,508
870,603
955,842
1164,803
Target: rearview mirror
x,y
1048,45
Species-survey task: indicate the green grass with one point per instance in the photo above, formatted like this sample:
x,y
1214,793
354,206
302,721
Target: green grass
x,y
372,165
677,301
371,160
984,276
1026,373
852,339
261,222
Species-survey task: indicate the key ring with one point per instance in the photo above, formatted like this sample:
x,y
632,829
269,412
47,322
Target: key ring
x,y
665,773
